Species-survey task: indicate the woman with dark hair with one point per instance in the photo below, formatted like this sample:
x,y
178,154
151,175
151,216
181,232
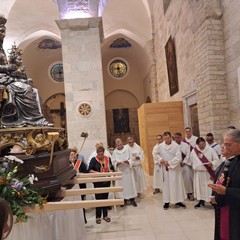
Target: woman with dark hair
x,y
204,161
6,219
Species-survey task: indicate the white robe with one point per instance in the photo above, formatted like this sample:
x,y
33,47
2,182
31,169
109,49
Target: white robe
x,y
138,172
187,170
158,171
216,147
201,175
192,140
173,186
127,182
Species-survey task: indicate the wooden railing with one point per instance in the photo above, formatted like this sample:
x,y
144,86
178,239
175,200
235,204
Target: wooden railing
x,y
84,178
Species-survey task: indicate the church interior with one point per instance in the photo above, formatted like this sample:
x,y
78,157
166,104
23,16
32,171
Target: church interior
x,y
133,68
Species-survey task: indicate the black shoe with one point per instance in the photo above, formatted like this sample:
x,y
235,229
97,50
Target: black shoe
x,y
179,204
134,203
200,204
166,206
125,203
156,191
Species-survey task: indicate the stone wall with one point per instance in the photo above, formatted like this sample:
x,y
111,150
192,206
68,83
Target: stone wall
x,y
231,24
197,29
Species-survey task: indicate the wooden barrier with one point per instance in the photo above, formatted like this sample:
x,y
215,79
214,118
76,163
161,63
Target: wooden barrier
x,y
84,178
67,205
93,180
87,191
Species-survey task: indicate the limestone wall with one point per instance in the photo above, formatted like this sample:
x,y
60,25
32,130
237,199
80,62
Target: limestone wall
x,y
197,29
177,22
231,24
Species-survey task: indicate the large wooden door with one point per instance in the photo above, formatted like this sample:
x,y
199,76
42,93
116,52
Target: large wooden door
x,y
156,118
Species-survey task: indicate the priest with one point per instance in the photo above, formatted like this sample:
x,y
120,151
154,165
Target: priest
x,y
173,186
227,190
190,138
204,161
122,163
137,158
186,165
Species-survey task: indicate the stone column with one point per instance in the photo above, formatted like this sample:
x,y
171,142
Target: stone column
x,y
211,84
83,81
150,50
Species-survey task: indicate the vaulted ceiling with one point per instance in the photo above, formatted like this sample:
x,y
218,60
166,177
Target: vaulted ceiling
x,y
28,20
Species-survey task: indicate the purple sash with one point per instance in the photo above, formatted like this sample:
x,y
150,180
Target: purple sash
x,y
191,147
203,159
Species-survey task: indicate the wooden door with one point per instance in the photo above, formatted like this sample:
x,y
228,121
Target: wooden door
x,y
154,119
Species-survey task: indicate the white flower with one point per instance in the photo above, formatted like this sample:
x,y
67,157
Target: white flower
x,y
32,178
13,158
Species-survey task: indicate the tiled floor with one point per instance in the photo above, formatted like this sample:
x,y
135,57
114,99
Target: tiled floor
x,y
149,221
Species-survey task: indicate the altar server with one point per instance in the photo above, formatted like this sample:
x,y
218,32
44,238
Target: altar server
x,y
137,158
157,172
173,186
122,163
187,170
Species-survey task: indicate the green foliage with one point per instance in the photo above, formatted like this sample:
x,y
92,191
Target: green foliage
x,y
17,191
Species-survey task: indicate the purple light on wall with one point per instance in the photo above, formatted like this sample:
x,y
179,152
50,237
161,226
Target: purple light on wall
x,y
78,8
102,5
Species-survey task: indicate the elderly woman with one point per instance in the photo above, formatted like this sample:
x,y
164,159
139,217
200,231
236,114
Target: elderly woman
x,y
101,163
6,219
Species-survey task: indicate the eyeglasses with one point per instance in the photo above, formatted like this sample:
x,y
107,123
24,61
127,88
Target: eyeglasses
x,y
228,145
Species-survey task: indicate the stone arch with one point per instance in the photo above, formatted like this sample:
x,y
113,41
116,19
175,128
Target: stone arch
x,y
36,35
124,96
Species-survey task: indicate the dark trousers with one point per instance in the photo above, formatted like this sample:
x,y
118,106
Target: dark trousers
x,y
101,210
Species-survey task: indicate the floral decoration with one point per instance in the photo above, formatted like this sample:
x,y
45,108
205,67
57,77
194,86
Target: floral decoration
x,y
17,191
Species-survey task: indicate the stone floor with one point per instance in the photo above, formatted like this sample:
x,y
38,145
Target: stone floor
x,y
149,221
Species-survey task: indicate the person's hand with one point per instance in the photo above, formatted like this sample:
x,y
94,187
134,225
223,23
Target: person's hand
x,y
166,164
210,164
219,189
118,164
162,162
213,200
182,164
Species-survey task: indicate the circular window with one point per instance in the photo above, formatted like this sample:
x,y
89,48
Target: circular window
x,y
56,72
118,68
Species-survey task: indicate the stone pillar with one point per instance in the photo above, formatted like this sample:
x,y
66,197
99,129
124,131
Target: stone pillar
x,y
83,81
150,50
211,84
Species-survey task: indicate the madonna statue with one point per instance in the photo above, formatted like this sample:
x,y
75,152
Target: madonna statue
x,y
21,104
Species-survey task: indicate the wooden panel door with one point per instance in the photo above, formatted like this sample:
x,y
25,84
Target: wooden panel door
x,y
157,118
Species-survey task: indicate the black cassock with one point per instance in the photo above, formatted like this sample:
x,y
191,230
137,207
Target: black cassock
x,y
231,199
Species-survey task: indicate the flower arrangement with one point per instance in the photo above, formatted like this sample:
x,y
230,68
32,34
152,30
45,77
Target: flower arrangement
x,y
16,190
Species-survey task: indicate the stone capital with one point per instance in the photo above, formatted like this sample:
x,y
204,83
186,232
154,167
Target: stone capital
x,y
80,24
